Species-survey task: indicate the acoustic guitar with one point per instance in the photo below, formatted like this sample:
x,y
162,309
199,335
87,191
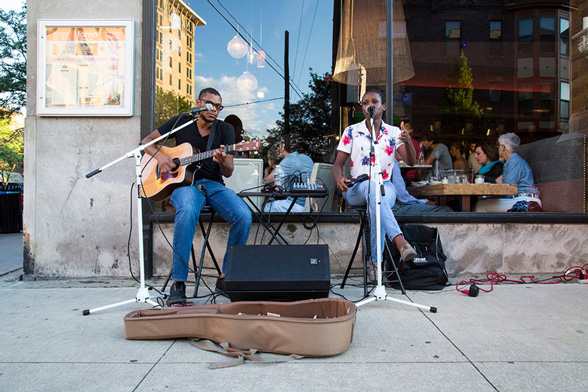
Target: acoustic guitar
x,y
159,186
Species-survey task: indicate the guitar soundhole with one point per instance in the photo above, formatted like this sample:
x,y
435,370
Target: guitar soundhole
x,y
177,163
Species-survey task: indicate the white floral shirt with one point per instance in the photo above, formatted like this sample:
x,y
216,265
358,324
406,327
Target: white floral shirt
x,y
356,141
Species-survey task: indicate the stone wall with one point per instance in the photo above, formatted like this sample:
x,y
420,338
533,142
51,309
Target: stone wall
x,y
471,249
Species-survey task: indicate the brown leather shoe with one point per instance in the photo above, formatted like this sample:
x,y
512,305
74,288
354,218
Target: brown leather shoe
x,y
407,252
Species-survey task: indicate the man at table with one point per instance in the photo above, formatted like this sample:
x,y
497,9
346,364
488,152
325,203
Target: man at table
x,y
412,175
405,202
515,171
439,152
296,166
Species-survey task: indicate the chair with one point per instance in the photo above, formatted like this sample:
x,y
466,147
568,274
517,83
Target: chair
x,y
205,245
363,238
247,174
322,173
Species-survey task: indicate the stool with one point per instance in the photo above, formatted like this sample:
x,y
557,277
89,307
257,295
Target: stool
x,y
205,245
363,238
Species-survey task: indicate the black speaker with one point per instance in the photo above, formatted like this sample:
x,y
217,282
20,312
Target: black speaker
x,y
277,272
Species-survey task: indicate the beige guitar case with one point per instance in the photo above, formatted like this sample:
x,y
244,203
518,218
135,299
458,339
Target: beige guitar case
x,y
312,328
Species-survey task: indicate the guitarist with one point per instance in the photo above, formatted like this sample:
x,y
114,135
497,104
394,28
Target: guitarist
x,y
208,187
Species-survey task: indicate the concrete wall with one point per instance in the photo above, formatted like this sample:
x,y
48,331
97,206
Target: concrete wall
x,y
471,249
76,226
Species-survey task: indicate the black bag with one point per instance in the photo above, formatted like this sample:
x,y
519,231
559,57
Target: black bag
x,y
427,270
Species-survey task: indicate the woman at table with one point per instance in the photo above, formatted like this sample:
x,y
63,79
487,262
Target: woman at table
x,y
459,162
516,171
487,156
357,144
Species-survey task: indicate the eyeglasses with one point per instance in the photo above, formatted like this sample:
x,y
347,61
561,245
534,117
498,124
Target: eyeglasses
x,y
217,106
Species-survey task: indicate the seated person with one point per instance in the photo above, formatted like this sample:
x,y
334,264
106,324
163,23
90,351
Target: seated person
x,y
293,164
405,202
487,157
516,171
438,152
459,162
356,144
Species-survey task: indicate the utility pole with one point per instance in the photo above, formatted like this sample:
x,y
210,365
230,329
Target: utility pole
x,y
286,94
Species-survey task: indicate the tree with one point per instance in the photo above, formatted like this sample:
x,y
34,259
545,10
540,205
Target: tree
x,y
457,106
167,105
310,120
11,149
13,60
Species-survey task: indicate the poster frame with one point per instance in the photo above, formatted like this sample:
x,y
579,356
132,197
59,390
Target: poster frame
x,y
44,64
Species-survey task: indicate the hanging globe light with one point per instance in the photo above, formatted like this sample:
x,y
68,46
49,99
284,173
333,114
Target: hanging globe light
x,y
237,47
260,59
247,82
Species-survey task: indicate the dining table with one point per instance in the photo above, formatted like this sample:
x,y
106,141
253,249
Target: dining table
x,y
463,191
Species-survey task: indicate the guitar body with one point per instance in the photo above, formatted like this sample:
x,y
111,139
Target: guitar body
x,y
157,186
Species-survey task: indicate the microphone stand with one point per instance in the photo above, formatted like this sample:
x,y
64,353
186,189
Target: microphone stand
x,y
380,293
143,293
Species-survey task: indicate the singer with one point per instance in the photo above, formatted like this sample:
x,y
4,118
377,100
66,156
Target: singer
x,y
207,189
356,142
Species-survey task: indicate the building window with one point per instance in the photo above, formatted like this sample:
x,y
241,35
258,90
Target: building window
x,y
170,61
564,94
179,84
179,67
547,34
170,80
452,37
564,37
495,30
525,36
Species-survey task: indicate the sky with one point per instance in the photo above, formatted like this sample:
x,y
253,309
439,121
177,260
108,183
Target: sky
x,y
8,5
266,20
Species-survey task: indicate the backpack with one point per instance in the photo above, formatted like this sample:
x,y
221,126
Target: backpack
x,y
427,270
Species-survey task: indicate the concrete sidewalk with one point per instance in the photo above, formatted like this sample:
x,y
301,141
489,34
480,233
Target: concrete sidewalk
x,y
528,337
516,338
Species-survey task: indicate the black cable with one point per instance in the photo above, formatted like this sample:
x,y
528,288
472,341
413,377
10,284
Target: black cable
x,y
308,41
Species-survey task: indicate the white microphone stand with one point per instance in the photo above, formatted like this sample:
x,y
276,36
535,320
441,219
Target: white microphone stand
x,y
380,293
143,293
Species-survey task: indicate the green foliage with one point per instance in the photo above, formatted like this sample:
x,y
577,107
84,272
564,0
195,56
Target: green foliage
x,y
310,120
167,105
11,149
13,59
457,106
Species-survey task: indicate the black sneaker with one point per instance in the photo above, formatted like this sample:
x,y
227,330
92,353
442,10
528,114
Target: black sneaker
x,y
177,294
220,285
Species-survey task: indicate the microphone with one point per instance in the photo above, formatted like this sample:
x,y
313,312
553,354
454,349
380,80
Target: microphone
x,y
204,108
371,109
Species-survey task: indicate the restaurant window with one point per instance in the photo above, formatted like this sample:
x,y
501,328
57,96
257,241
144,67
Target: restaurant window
x,y
525,36
518,58
547,34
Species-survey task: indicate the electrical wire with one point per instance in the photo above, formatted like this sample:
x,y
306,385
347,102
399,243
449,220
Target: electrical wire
x,y
575,272
294,86
298,39
308,41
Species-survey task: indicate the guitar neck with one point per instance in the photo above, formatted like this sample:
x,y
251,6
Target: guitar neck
x,y
204,155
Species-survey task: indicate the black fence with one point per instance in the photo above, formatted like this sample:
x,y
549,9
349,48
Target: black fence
x,y
11,208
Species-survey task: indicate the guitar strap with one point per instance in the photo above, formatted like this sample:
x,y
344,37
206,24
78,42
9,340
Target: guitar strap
x,y
211,134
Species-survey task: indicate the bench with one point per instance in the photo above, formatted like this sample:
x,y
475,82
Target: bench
x,y
559,170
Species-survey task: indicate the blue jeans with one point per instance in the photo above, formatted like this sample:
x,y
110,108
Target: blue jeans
x,y
188,202
357,196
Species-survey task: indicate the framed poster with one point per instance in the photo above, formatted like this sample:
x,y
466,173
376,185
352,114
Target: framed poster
x,y
85,68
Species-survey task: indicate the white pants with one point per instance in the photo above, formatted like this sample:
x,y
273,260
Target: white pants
x,y
501,204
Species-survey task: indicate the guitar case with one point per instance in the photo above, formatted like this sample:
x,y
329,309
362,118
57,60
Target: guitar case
x,y
311,328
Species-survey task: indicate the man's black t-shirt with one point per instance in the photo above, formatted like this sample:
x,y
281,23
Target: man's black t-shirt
x,y
224,134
